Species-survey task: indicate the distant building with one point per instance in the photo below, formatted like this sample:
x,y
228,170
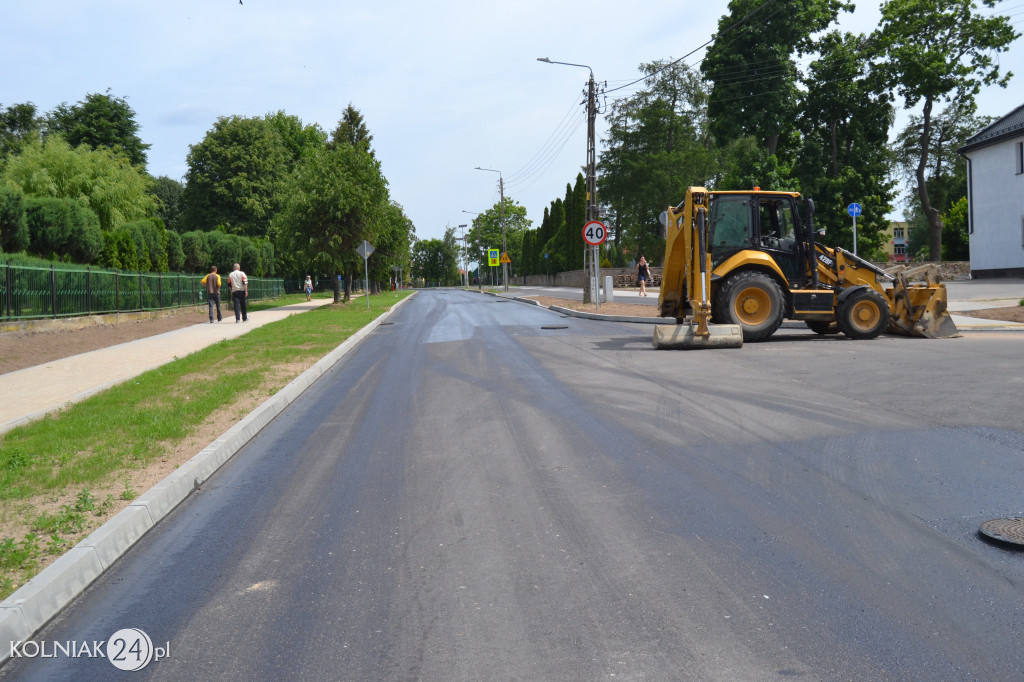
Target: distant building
x,y
995,197
897,244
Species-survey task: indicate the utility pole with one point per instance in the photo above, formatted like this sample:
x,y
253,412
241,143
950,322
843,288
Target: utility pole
x,y
591,206
465,265
504,247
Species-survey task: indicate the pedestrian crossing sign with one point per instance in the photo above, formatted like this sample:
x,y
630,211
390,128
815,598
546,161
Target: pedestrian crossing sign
x,y
505,258
492,257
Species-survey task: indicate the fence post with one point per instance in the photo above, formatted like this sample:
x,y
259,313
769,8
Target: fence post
x,y
53,290
9,279
160,289
117,290
140,292
88,290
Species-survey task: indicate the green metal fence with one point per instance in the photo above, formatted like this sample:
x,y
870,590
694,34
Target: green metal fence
x,y
28,292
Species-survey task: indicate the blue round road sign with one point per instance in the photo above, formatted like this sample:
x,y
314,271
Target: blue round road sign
x,y
854,209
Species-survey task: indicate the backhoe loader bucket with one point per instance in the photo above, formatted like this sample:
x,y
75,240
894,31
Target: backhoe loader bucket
x,y
685,336
920,309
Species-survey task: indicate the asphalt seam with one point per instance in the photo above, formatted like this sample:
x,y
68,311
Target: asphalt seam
x,y
36,602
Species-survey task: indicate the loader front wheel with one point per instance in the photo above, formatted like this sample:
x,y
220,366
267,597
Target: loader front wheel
x,y
752,300
863,315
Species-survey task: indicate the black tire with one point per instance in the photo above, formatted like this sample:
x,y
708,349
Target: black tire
x,y
822,327
863,315
752,300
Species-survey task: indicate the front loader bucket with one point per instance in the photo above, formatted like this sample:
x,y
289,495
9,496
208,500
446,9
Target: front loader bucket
x,y
685,336
920,310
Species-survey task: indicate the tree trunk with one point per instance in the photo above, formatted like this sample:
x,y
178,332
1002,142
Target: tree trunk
x,y
835,151
931,213
348,287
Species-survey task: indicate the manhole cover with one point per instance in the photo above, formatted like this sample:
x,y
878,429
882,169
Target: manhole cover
x,y
555,326
1004,530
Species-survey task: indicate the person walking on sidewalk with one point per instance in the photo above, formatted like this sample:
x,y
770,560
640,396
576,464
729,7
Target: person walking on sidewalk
x,y
643,273
307,286
239,292
212,284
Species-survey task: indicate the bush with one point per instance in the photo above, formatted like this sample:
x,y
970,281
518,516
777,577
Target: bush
x,y
62,228
14,235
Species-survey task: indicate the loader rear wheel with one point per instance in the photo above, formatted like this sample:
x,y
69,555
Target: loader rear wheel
x,y
863,315
752,300
822,327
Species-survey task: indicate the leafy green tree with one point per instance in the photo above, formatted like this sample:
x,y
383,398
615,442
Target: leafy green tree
x,y
935,50
100,120
102,179
956,243
334,200
557,245
175,253
486,231
234,177
946,174
752,70
436,260
14,234
168,194
391,243
298,138
19,123
658,145
844,155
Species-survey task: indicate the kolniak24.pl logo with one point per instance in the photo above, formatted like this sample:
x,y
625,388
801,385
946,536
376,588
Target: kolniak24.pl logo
x,y
127,649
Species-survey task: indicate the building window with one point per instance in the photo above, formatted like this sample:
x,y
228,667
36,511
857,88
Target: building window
x,y
898,233
1020,158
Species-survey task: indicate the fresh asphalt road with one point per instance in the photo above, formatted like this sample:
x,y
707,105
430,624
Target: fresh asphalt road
x,y
472,496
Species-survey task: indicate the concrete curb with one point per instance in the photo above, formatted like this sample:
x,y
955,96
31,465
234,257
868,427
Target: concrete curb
x,y
40,599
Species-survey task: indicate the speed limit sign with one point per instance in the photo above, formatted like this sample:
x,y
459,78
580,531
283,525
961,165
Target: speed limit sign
x,y
594,233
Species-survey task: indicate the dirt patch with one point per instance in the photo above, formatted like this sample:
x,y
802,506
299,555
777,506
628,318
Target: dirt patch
x,y
1010,314
623,309
21,349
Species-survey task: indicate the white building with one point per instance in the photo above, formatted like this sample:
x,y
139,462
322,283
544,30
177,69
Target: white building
x,y
995,197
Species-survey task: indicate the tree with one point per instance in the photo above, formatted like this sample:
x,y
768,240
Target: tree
x,y
352,130
436,260
101,179
100,121
63,228
939,50
298,138
19,123
486,231
752,70
234,177
334,200
169,205
14,234
845,117
658,144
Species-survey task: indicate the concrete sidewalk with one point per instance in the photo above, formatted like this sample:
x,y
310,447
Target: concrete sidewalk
x,y
30,393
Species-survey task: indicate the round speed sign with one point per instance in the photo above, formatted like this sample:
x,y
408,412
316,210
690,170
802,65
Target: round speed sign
x,y
594,233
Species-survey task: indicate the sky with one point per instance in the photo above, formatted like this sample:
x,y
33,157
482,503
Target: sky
x,y
444,87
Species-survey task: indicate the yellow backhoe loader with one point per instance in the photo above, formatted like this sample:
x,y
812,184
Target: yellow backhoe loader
x,y
738,262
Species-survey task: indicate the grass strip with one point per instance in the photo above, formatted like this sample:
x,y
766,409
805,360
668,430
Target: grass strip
x,y
129,425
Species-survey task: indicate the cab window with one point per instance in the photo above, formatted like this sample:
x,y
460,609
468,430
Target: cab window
x,y
730,224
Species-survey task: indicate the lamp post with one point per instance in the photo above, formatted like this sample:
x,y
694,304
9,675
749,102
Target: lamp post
x,y
501,189
479,262
591,164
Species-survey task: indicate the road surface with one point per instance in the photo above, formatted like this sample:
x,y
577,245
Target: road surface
x,y
485,490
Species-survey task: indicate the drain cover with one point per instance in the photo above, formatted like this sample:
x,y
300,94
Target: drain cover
x,y
555,326
1004,530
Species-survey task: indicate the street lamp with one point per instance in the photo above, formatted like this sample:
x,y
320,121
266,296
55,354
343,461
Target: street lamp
x,y
504,250
591,168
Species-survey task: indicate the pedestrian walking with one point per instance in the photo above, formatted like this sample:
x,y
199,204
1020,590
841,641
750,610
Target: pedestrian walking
x,y
212,284
239,293
307,286
643,273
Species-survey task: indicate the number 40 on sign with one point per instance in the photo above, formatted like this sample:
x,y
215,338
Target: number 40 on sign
x,y
594,233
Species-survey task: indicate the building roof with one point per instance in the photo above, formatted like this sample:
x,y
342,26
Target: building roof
x,y
1008,126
